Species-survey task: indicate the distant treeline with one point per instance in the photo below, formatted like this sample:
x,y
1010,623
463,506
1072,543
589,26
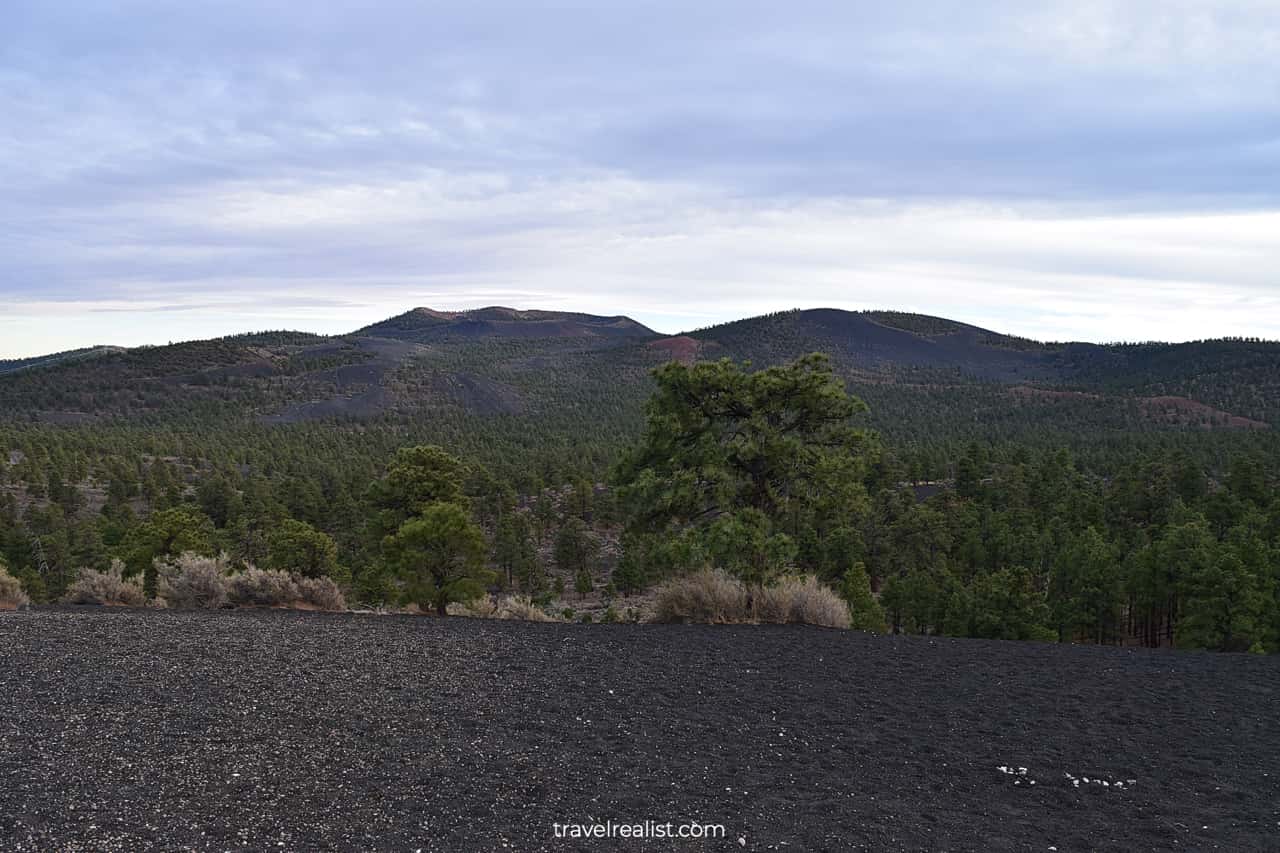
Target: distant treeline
x,y
1122,534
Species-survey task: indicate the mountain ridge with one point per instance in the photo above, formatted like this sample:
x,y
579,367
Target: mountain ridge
x,y
11,365
498,318
581,370
424,324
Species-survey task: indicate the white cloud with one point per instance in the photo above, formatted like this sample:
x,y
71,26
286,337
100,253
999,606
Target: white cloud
x,y
675,255
1066,169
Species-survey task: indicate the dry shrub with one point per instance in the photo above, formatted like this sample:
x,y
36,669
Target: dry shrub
x,y
802,600
481,607
11,595
256,587
193,581
704,596
110,588
321,593
718,598
513,607
522,608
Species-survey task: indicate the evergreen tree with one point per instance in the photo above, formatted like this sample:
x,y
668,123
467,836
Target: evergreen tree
x,y
167,533
1223,606
295,546
583,582
629,575
736,463
1007,606
576,547
417,478
513,551
865,613
440,555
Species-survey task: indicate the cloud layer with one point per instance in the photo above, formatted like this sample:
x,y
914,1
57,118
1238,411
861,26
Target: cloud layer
x,y
1095,170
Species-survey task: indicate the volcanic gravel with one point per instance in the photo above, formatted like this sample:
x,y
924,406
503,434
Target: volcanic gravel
x,y
136,730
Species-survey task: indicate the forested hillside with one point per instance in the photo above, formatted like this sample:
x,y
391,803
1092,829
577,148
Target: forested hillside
x,y
16,364
1073,490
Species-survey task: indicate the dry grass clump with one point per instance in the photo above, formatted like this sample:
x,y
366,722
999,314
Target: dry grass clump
x,y
513,607
522,608
717,598
110,588
804,601
11,595
482,607
710,596
193,581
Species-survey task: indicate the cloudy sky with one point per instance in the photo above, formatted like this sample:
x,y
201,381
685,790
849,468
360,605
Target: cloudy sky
x,y
1077,169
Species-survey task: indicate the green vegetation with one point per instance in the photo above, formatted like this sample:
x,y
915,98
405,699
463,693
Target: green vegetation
x,y
865,612
988,487
743,471
576,550
753,473
440,553
295,546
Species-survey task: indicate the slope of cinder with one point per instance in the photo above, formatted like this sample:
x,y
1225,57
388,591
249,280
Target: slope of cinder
x,y
167,730
426,325
884,340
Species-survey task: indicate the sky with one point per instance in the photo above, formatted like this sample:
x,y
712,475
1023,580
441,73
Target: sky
x,y
1060,170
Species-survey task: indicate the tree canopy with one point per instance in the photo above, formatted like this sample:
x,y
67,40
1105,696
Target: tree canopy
x,y
735,466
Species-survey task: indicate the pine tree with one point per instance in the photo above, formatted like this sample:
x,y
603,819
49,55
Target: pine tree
x,y
583,583
295,546
576,547
865,613
1223,606
440,554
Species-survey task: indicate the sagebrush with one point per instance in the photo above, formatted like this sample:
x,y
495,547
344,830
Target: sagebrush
x,y
109,588
192,581
803,601
320,593
717,598
256,587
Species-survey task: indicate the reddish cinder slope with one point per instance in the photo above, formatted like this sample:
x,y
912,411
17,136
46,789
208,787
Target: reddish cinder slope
x,y
681,348
1183,410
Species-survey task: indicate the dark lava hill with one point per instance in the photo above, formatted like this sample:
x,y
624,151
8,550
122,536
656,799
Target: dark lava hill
x,y
884,340
581,376
425,324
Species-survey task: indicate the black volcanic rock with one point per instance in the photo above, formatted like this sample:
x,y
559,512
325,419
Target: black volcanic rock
x,y
167,730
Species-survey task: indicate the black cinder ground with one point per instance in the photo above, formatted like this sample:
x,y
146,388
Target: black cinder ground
x,y
136,730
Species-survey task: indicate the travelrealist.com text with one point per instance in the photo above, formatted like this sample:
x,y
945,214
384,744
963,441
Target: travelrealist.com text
x,y
639,829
